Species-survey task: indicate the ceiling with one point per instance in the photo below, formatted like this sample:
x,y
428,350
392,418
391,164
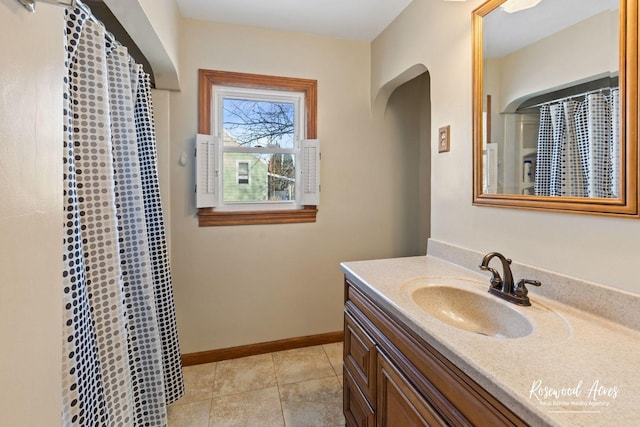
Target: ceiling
x,y
360,20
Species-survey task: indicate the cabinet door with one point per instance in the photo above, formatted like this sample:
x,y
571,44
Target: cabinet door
x,y
360,357
399,404
357,412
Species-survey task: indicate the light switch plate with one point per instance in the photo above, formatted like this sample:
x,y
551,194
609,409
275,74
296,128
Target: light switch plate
x,y
443,139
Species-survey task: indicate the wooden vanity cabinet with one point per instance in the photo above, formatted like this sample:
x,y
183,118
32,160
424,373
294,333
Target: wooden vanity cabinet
x,y
393,378
357,411
359,374
399,403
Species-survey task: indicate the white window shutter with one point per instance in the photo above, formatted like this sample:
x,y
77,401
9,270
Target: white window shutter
x,y
206,171
310,172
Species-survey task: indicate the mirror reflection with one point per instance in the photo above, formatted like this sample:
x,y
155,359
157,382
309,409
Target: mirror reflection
x,y
551,103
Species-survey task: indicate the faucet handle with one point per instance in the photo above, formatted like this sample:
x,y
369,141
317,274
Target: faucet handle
x,y
521,290
496,280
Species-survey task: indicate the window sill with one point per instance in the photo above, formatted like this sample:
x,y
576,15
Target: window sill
x,y
208,217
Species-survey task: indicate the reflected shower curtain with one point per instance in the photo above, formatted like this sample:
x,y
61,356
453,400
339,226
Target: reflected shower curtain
x,y
579,148
121,360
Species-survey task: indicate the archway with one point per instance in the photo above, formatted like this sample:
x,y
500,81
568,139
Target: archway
x,y
405,105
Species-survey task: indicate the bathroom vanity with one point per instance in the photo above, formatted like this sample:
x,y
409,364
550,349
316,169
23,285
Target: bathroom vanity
x,y
393,377
405,366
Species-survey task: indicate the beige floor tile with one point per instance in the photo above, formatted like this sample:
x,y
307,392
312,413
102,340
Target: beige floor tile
x,y
260,408
334,353
194,414
314,403
302,364
244,374
198,382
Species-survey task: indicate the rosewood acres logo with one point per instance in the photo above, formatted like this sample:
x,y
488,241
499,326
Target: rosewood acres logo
x,y
574,398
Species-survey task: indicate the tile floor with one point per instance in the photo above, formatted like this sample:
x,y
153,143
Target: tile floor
x,y
292,388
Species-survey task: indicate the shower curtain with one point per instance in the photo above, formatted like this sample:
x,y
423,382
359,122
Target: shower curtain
x,y
121,360
579,148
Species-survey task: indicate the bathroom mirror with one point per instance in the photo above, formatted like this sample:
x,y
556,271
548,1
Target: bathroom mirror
x,y
555,105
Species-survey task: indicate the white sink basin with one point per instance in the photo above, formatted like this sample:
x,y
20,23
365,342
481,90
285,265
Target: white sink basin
x,y
472,311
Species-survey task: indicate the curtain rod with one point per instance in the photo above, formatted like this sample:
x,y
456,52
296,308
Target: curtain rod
x,y
30,5
567,97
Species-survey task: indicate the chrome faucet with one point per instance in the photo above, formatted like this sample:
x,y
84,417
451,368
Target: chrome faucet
x,y
504,287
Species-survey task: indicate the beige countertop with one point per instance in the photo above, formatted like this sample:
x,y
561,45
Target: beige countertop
x,y
574,369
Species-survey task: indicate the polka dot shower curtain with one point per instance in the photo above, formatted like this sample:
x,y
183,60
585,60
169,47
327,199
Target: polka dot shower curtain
x,y
579,147
121,360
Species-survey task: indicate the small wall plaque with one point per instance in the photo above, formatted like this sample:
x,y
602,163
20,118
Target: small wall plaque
x,y
443,139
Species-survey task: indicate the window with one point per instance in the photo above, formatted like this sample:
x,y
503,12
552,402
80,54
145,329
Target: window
x,y
257,161
261,131
242,173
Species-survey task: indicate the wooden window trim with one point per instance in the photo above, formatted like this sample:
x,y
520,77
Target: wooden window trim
x,y
208,217
206,80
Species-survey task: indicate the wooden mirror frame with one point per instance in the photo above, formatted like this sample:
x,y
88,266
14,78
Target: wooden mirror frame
x,y
627,204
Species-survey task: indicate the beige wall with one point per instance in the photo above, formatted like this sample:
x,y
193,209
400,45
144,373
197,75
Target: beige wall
x,y
249,284
153,26
31,74
165,19
438,35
